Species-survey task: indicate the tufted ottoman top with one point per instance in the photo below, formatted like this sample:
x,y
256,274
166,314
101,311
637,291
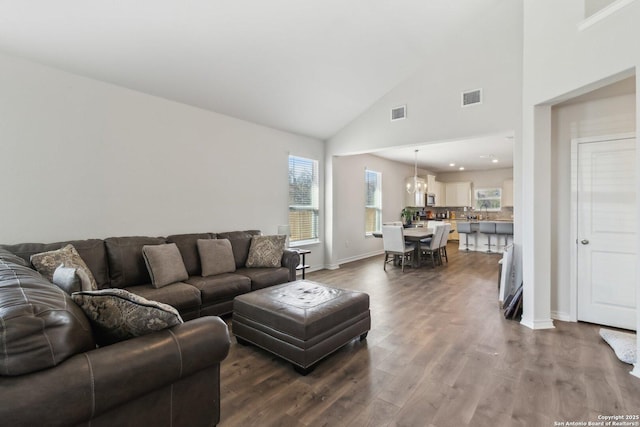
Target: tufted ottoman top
x,y
302,309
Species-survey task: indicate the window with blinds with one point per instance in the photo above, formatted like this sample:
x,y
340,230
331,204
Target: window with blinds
x,y
373,202
303,199
489,199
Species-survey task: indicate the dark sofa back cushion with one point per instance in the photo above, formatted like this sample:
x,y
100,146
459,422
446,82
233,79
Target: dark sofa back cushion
x,y
39,324
240,243
187,244
92,252
126,263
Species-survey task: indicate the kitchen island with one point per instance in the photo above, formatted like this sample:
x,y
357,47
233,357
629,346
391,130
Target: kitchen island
x,y
498,231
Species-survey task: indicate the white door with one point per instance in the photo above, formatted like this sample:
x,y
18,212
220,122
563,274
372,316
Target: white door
x,y
606,231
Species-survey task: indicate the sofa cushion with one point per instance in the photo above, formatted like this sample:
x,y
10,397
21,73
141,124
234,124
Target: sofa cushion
x,y
164,264
126,263
71,279
118,314
8,256
240,243
216,257
40,326
187,244
47,262
266,251
92,252
220,287
265,277
180,295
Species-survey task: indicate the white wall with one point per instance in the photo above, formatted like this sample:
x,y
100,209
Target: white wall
x,y
595,117
82,159
486,54
560,60
349,194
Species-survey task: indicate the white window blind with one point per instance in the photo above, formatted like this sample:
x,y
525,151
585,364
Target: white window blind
x,y
373,201
303,199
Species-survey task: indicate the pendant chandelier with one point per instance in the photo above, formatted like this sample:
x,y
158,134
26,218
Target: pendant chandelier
x,y
417,185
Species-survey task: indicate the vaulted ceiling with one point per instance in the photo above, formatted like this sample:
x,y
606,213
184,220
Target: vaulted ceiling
x,y
308,67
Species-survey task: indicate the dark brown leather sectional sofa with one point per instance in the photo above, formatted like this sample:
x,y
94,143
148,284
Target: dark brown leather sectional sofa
x,y
51,372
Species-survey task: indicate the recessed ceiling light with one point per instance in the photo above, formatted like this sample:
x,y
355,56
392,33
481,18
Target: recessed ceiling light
x,y
461,168
495,160
452,164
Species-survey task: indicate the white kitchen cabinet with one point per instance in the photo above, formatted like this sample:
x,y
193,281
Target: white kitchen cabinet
x,y
438,190
416,199
507,193
458,194
431,183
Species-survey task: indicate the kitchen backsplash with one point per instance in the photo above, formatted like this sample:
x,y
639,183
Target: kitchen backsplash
x,y
506,213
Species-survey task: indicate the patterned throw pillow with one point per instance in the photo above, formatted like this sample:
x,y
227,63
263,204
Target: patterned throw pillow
x,y
266,251
118,314
622,343
165,264
47,262
216,256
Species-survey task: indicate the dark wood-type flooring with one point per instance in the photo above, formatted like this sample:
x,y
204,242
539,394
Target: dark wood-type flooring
x,y
439,353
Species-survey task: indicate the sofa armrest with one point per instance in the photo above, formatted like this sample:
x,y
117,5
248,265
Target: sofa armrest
x,y
291,260
91,383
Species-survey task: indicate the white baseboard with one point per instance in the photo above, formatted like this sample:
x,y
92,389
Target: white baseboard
x,y
359,257
562,316
537,324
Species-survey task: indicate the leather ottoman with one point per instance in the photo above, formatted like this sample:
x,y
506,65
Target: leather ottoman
x,y
302,321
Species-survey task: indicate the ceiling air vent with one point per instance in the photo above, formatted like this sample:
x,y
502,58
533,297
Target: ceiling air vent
x,y
472,97
399,113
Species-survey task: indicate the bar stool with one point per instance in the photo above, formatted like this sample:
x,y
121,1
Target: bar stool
x,y
504,229
465,228
488,228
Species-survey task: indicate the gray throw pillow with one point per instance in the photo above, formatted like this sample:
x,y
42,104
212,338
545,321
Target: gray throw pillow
x,y
216,256
165,264
117,314
71,279
47,262
266,251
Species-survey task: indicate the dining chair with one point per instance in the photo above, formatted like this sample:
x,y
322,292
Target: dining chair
x,y
443,242
394,244
431,245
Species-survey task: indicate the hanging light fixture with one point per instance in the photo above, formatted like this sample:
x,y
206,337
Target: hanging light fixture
x,y
416,186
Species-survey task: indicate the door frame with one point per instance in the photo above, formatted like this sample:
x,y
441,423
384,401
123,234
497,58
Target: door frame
x,y
575,142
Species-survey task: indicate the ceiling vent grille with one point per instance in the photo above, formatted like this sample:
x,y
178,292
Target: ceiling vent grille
x,y
472,97
399,113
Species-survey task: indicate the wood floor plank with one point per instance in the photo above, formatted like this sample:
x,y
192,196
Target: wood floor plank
x,y
440,353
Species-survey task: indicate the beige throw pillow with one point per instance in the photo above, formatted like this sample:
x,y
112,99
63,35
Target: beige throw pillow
x,y
216,256
47,262
165,264
266,251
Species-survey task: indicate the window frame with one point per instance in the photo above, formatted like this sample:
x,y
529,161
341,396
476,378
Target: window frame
x,y
377,206
313,206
